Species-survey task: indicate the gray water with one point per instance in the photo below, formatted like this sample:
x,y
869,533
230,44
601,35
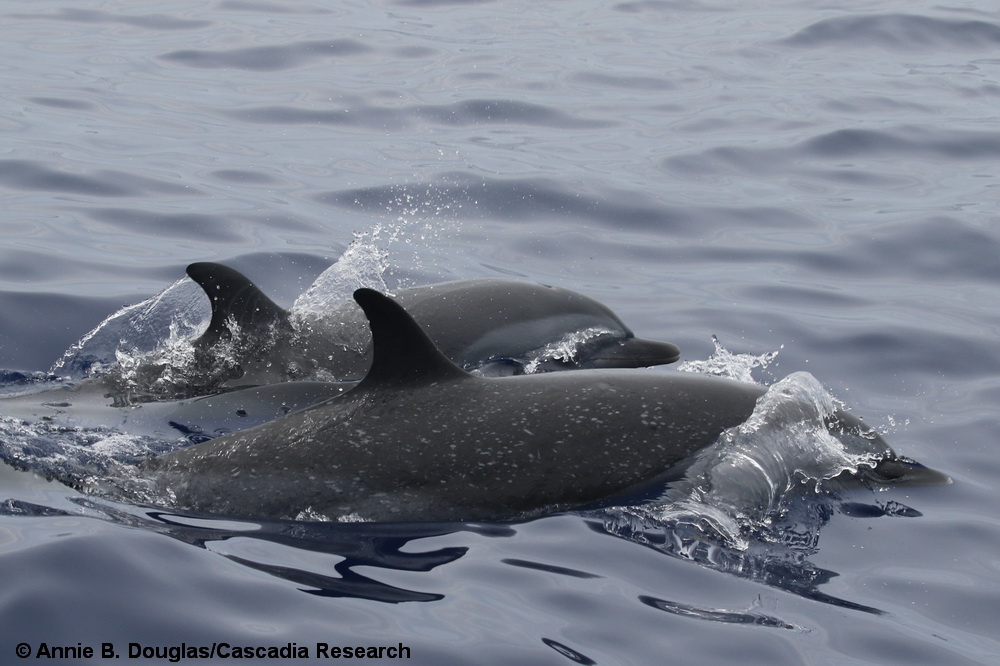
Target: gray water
x,y
817,181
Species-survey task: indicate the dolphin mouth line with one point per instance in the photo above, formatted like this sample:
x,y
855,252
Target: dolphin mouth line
x,y
610,362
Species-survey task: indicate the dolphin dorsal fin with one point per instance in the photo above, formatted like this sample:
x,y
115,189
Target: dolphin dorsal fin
x,y
401,351
234,298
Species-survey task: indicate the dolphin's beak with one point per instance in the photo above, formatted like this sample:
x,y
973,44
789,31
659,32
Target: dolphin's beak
x,y
633,353
905,472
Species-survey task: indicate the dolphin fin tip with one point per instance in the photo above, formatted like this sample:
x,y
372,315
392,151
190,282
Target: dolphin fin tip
x,y
233,298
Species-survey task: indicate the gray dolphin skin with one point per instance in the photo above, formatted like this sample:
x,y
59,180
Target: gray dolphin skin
x,y
476,323
420,439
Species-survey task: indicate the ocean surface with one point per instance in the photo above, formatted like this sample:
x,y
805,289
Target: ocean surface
x,y
803,194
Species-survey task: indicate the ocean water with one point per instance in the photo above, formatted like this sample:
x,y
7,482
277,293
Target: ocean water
x,y
812,186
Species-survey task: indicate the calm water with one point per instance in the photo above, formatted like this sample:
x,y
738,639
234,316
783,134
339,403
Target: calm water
x,y
817,182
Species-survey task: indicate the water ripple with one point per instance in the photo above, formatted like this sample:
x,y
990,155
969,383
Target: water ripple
x,y
169,225
840,144
32,175
620,81
272,7
147,21
716,615
456,114
525,199
267,58
898,32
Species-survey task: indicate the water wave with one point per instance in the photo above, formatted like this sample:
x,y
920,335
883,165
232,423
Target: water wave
x,y
898,32
155,22
33,175
524,200
268,58
355,113
843,144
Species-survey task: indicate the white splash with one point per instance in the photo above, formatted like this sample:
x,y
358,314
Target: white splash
x,y
363,264
182,309
565,349
724,363
745,480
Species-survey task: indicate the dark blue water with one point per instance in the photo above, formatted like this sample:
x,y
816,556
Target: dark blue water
x,y
817,182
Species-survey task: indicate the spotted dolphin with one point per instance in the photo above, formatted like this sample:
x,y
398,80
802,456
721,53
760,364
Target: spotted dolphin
x,y
496,325
422,439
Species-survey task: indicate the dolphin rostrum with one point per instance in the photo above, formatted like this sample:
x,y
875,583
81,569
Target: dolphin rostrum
x,y
421,439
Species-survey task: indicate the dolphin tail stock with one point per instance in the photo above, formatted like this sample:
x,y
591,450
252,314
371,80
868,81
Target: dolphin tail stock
x,y
235,300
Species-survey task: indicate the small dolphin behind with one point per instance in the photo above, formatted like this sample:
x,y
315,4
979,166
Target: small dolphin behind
x,y
421,439
492,326
473,322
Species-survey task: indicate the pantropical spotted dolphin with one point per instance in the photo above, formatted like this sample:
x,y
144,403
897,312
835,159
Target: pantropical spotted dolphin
x,y
495,325
422,439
